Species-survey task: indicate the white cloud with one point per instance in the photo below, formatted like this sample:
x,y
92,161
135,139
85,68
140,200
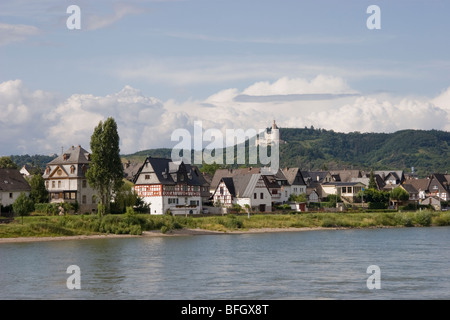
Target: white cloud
x,y
10,33
40,122
284,86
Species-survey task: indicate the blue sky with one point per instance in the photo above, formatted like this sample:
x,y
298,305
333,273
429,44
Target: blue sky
x,y
160,65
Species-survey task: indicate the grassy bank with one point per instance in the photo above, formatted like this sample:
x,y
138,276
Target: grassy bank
x,y
51,226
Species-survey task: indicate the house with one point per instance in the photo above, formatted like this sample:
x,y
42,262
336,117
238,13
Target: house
x,y
65,179
313,195
431,201
421,185
440,186
166,185
315,179
345,175
12,184
391,179
28,171
412,191
346,190
130,169
295,182
275,188
246,190
221,173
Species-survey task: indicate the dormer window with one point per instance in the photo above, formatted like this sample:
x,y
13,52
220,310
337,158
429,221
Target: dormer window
x,y
72,169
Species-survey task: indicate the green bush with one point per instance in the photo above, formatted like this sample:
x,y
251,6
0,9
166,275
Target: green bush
x,y
443,219
424,218
377,205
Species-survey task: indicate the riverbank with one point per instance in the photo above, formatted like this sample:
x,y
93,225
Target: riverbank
x,y
158,233
47,228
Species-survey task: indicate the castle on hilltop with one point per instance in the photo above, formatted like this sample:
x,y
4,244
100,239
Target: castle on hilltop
x,y
269,136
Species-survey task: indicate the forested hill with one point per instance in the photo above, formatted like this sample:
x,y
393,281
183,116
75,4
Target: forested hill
x,y
426,151
315,149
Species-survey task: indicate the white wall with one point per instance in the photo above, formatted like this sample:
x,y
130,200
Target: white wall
x,y
5,199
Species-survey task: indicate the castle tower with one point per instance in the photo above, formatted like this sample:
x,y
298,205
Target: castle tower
x,y
273,136
275,132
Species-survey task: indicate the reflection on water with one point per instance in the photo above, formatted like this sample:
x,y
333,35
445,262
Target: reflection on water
x,y
325,264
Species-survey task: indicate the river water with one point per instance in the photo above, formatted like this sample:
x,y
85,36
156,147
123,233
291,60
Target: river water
x,y
414,263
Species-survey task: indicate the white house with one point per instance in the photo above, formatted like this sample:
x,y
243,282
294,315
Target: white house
x,y
245,190
12,184
65,179
170,186
295,182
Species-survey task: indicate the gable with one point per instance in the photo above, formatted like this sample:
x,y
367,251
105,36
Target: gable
x,y
58,172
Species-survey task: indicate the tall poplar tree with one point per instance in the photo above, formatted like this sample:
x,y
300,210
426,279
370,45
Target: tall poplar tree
x,y
105,173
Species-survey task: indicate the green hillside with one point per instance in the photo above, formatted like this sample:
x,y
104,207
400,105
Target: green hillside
x,y
428,151
309,148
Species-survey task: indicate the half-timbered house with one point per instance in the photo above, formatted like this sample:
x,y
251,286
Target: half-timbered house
x,y
169,186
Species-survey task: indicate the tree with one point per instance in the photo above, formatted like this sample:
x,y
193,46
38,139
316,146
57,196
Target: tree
x,y
23,205
372,182
210,168
7,163
39,193
105,171
302,197
399,194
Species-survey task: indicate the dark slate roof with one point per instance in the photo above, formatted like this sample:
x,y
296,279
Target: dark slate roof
x,y
220,173
12,180
419,184
74,155
409,188
291,174
346,175
314,174
167,172
442,179
130,169
228,181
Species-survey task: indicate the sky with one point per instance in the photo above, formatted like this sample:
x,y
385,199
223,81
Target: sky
x,y
156,66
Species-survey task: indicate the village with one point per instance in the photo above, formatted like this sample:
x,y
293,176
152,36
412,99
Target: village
x,y
178,188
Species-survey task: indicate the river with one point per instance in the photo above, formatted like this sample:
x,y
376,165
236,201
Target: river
x,y
414,263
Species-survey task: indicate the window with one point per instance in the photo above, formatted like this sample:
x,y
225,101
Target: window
x,y
221,191
72,169
84,184
11,195
194,202
262,195
254,196
147,177
344,190
53,184
185,188
173,200
46,184
83,199
59,184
